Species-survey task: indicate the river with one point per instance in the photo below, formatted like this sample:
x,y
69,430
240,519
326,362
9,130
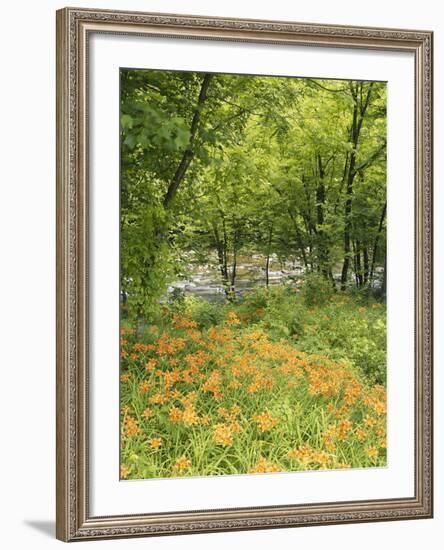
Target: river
x,y
204,280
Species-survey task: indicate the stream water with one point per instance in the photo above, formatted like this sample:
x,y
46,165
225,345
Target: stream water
x,y
205,281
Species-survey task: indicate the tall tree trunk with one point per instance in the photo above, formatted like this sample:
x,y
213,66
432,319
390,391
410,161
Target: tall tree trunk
x,y
384,279
320,201
299,240
232,293
189,150
267,263
359,277
221,256
355,267
366,262
375,245
360,105
225,255
309,222
347,230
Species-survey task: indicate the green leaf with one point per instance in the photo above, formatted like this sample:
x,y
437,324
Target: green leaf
x,y
126,121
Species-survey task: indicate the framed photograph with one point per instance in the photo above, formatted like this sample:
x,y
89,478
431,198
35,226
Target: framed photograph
x,y
244,274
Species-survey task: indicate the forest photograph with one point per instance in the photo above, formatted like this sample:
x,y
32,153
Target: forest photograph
x,y
253,216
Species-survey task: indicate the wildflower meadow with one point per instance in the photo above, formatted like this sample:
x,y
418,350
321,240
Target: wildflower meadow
x,y
243,396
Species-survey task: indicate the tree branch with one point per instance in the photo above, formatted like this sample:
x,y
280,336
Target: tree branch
x,y
188,153
371,158
339,90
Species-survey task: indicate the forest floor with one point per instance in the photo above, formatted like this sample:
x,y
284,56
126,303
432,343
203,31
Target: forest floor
x,y
288,379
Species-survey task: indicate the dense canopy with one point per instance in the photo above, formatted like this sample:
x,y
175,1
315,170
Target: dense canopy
x,y
232,164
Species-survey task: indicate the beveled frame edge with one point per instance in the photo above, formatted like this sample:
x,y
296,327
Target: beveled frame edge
x,y
72,519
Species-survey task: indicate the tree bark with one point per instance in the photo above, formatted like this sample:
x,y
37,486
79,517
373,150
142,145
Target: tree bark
x,y
347,229
366,263
189,151
231,295
320,201
359,277
359,110
267,263
375,245
233,270
384,279
221,256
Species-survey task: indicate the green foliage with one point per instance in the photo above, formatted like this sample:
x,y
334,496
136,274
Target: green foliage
x,y
283,312
203,312
259,164
254,305
146,127
340,326
145,257
316,289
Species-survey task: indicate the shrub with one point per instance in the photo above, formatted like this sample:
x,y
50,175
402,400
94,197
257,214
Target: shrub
x,y
203,312
316,289
254,305
286,314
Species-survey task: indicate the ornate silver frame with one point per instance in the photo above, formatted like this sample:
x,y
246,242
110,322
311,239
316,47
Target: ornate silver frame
x,y
73,519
